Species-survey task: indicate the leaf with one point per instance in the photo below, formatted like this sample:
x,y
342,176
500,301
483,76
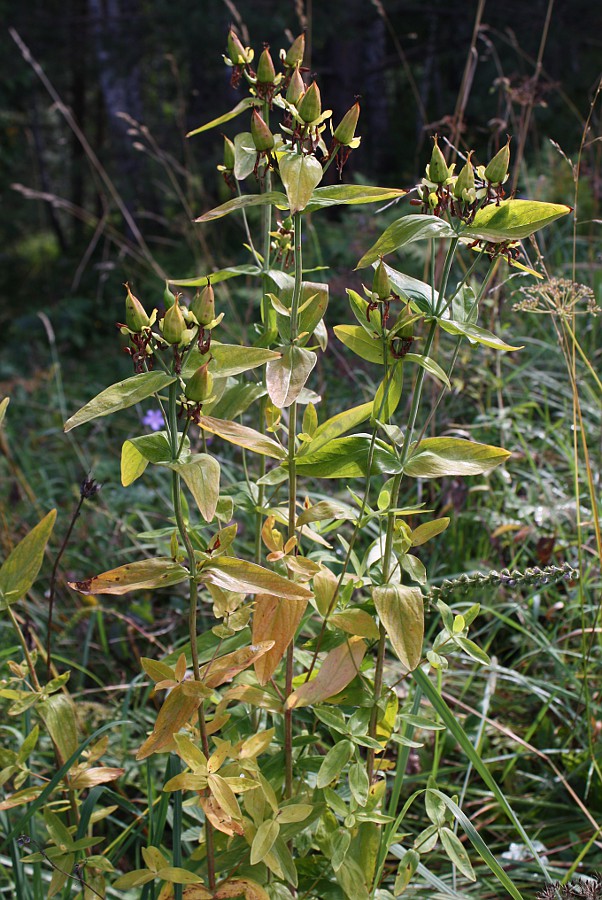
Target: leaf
x,y
175,712
229,359
216,277
312,305
224,668
243,436
336,426
340,667
428,530
58,714
239,887
156,670
201,475
20,569
334,762
96,775
133,463
347,457
286,377
350,195
137,576
476,335
133,879
274,619
224,795
432,367
438,457
412,290
300,174
414,568
356,338
388,394
359,785
120,396
176,875
245,155
407,867
404,231
263,841
137,452
401,611
355,621
3,408
295,812
219,818
221,120
513,220
325,509
456,851
270,198
233,574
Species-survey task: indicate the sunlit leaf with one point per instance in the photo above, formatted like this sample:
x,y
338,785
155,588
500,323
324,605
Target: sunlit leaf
x,y
351,194
355,621
286,377
274,619
300,174
476,335
347,457
340,667
20,569
161,571
337,426
271,198
234,574
221,120
264,839
356,338
229,359
513,220
121,396
438,457
401,611
201,474
176,711
243,436
404,231
224,668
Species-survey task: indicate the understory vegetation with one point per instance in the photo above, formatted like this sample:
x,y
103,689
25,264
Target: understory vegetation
x,y
301,579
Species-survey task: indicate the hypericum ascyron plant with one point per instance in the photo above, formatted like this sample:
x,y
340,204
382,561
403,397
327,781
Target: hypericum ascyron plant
x,y
289,781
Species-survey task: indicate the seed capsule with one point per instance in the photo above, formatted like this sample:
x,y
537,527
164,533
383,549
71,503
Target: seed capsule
x,y
203,306
174,324
237,54
464,186
136,317
345,131
310,104
381,286
295,54
437,170
199,386
496,171
296,87
261,134
228,154
266,73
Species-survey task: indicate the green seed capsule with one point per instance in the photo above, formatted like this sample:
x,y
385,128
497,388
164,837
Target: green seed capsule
x,y
261,134
174,324
229,154
295,54
496,171
381,286
310,104
345,131
464,186
437,170
266,73
296,87
199,386
135,315
203,306
237,54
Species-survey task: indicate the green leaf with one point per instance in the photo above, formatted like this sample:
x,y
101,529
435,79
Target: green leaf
x,y
176,875
312,306
133,879
221,120
58,714
245,155
295,812
137,576
133,463
340,846
139,451
388,393
334,762
472,649
286,377
359,785
347,457
20,569
243,436
201,474
300,175
121,396
405,231
428,530
351,194
238,575
455,850
355,621
513,220
229,359
325,509
414,568
476,335
432,367
336,426
401,611
438,457
264,839
271,198
364,345
58,832
412,290
216,277
405,872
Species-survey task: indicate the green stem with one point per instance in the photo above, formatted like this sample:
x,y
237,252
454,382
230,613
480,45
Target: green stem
x,y
32,672
176,446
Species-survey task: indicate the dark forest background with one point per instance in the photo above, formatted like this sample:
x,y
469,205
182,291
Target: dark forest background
x,y
70,214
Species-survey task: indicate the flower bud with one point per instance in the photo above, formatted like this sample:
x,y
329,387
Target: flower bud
x,y
199,386
261,134
174,324
310,104
464,186
345,131
203,306
229,154
496,171
437,170
295,54
296,87
237,54
266,73
381,286
135,315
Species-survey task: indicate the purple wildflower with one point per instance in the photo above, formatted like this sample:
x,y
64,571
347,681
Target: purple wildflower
x,y
153,419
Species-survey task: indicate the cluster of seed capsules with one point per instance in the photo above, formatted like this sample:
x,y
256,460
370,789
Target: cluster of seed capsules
x,y
533,576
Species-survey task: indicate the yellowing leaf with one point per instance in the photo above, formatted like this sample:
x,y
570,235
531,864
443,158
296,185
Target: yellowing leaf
x,y
401,611
428,530
234,574
20,569
300,174
340,667
240,887
224,668
243,436
355,621
275,619
177,709
438,457
201,474
286,377
96,775
219,818
148,573
513,220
